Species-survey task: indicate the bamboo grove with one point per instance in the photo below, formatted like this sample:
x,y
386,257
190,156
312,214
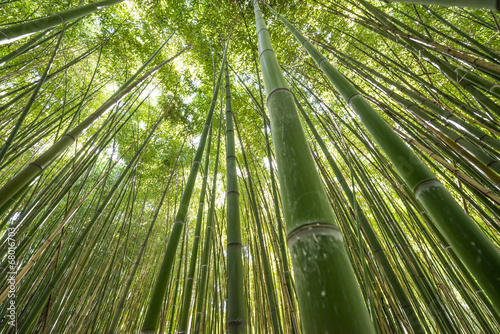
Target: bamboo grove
x,y
316,166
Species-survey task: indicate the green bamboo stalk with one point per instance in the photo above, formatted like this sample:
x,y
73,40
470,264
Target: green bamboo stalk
x,y
158,294
269,285
236,303
23,48
188,288
315,241
207,245
449,136
171,303
288,298
32,43
15,32
37,166
42,300
26,109
478,134
109,268
480,118
486,4
476,251
284,256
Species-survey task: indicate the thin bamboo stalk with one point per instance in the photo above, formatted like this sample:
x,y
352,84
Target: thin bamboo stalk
x,y
236,308
486,4
158,294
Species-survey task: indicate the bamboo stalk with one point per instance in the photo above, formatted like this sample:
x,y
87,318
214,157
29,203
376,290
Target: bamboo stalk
x,y
314,239
486,4
158,294
477,252
236,308
15,32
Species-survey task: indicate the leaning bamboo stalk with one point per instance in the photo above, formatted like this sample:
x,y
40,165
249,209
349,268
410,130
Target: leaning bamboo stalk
x,y
442,111
207,246
26,109
477,252
486,4
451,168
39,164
315,241
473,115
41,301
472,172
480,159
475,61
188,288
33,43
268,279
465,178
150,323
10,34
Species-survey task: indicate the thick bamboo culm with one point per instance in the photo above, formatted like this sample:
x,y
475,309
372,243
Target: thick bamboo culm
x,y
337,172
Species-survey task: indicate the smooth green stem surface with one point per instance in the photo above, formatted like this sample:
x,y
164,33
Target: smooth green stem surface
x,y
236,303
473,247
15,32
327,291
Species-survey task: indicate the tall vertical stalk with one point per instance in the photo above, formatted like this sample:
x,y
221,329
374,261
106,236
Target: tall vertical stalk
x,y
158,294
236,303
476,251
328,295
